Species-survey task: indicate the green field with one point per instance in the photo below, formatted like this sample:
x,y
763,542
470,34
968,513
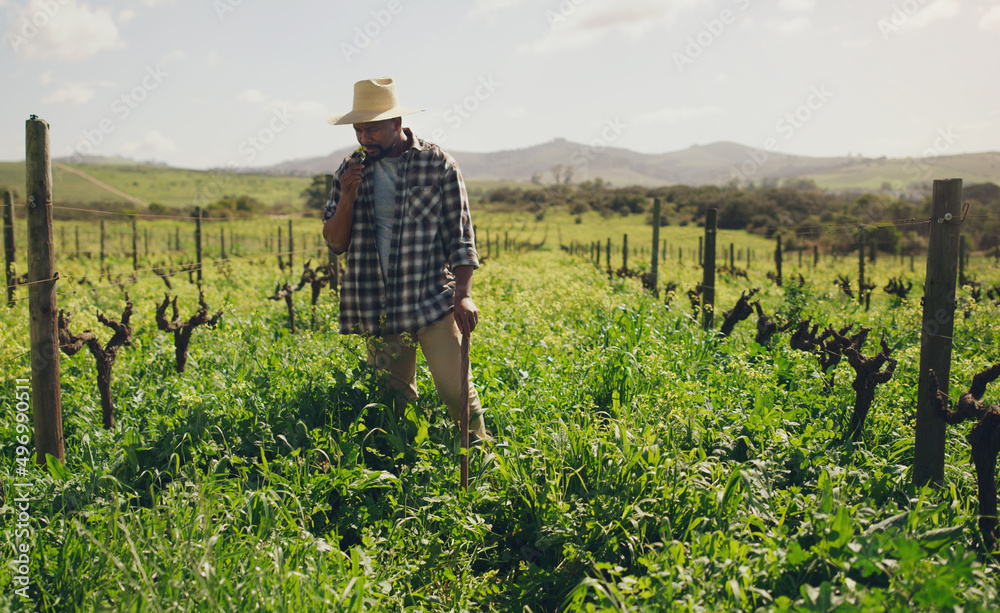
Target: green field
x,y
641,463
171,187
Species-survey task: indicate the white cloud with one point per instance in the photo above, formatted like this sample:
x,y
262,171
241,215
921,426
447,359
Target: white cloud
x,y
798,6
63,30
572,26
935,11
990,20
794,25
487,7
251,96
126,15
299,107
153,146
671,115
70,94
856,43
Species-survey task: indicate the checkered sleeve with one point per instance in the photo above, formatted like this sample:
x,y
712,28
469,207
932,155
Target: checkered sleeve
x,y
456,228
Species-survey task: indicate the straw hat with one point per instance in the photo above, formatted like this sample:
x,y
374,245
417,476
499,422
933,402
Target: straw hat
x,y
374,100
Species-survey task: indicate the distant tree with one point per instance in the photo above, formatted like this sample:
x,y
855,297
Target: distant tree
x,y
315,194
801,184
556,173
227,206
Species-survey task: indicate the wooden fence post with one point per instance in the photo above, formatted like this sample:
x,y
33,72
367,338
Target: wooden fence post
x,y
937,326
777,260
624,252
103,235
655,256
135,245
197,240
861,266
46,401
9,246
708,264
291,245
334,260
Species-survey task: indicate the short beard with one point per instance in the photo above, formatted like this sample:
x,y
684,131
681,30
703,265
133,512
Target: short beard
x,y
382,152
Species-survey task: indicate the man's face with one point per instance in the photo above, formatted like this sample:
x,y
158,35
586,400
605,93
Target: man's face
x,y
377,137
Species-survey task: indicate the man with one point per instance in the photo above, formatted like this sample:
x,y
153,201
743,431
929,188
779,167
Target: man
x,y
401,213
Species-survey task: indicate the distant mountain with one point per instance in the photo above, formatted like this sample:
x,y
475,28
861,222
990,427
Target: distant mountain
x,y
713,164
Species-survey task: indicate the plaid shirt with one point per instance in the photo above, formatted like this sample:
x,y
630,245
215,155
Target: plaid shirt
x,y
431,235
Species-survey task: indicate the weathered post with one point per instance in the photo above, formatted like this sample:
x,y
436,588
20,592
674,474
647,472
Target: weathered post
x,y
334,260
701,244
42,307
708,264
222,243
103,235
197,240
291,245
732,257
937,327
655,256
624,252
861,266
281,256
815,256
607,253
9,246
777,261
135,245
464,415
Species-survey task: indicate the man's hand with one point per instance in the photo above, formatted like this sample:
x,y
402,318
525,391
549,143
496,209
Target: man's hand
x,y
350,181
466,315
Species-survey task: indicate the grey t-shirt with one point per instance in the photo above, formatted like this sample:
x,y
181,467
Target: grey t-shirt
x,y
385,172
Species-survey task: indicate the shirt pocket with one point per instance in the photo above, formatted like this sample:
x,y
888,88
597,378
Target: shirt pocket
x,y
424,204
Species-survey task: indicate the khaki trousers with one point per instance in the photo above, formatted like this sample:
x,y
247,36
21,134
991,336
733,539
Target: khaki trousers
x,y
441,344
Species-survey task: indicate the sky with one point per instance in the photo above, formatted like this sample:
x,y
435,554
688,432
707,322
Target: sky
x,y
226,83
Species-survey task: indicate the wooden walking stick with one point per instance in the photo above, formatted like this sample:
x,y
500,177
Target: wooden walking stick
x,y
464,418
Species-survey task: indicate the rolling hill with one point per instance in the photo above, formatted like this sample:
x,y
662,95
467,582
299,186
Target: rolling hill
x,y
127,182
713,164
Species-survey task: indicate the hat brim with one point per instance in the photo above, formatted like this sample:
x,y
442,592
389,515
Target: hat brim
x,y
343,119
